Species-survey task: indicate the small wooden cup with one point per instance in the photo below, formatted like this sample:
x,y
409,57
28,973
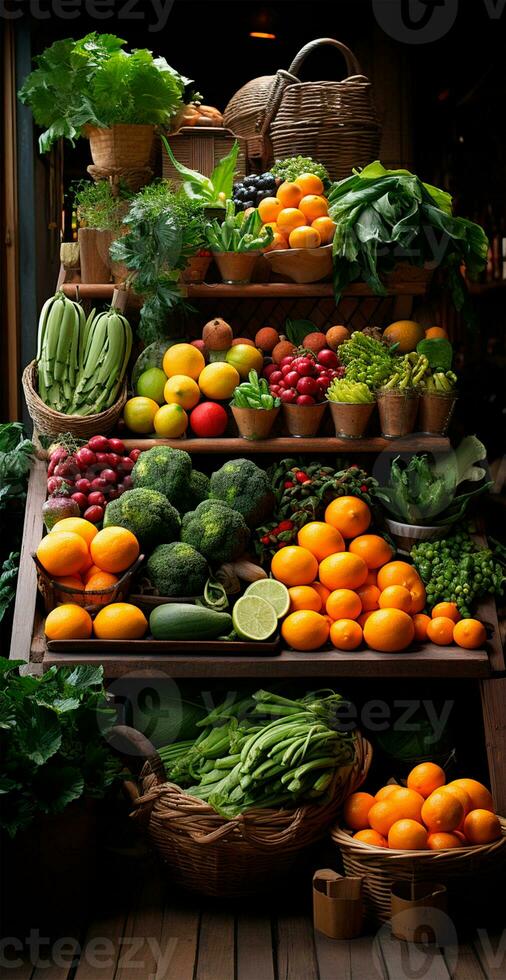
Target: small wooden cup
x,y
337,905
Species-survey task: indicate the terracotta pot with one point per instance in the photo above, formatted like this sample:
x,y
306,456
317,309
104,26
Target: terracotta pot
x,y
436,411
255,423
196,268
398,411
303,421
94,255
236,268
124,146
350,420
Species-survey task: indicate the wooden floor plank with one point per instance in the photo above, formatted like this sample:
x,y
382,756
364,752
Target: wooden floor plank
x,y
140,950
22,971
490,949
215,958
405,960
295,952
178,940
463,963
333,958
101,948
366,959
254,956
57,959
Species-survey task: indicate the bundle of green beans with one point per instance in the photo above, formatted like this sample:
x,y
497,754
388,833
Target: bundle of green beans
x,y
440,382
61,324
238,232
106,345
254,393
409,372
266,751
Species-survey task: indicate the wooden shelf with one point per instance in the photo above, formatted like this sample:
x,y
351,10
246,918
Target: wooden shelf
x,y
289,444
268,290
485,288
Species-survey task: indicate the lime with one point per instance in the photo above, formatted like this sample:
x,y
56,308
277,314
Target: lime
x,y
254,618
139,414
274,592
151,384
170,421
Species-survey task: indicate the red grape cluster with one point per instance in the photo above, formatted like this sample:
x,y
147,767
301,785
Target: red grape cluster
x,y
303,379
95,474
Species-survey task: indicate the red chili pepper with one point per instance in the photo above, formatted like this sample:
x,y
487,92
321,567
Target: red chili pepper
x,y
302,477
288,484
285,526
265,540
363,488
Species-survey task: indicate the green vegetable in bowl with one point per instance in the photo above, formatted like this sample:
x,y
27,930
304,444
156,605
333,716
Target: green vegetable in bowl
x,y
353,392
147,514
366,359
218,532
407,372
177,569
254,393
238,232
454,569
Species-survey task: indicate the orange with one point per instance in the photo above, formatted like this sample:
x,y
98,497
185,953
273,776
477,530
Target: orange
x,y
92,570
362,619
278,242
372,577
389,630
288,219
432,333
370,837
320,539
78,525
395,597
183,359
309,184
114,549
350,515
448,609
304,597
102,580
442,811
408,802
305,630
313,206
482,827
345,634
480,796
68,622
386,791
470,634
120,621
182,390
325,228
356,809
425,778
288,194
343,604
406,333
461,795
420,622
70,582
269,209
304,237
369,596
219,379
382,816
400,573
294,565
343,571
322,591
441,842
63,553
372,548
440,631
407,835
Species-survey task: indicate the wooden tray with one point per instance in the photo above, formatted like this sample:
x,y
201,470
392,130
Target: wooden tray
x,y
135,648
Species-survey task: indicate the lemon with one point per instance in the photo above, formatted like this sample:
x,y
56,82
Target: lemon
x,y
274,592
182,390
254,618
171,421
219,380
245,359
139,414
151,384
183,359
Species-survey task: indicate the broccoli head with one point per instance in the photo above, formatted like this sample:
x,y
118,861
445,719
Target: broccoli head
x,y
166,470
147,514
177,569
246,488
218,532
198,491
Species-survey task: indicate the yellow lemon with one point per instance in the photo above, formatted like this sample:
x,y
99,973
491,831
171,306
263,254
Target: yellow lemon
x,y
171,421
245,359
183,359
182,390
218,380
139,414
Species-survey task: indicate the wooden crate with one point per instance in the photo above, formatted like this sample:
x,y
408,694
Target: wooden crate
x,y
201,148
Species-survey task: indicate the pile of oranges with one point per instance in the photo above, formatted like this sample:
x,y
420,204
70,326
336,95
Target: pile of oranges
x,y
298,215
427,814
344,585
76,555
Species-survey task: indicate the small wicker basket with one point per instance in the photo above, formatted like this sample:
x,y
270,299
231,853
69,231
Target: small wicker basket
x,y
208,854
381,866
53,593
51,423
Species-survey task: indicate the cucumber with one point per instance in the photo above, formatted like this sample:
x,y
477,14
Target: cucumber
x,y
178,621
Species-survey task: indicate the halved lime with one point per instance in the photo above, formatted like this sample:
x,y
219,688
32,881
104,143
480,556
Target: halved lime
x,y
275,592
254,618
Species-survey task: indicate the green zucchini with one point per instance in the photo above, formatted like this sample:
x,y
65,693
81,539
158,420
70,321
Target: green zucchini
x,y
178,621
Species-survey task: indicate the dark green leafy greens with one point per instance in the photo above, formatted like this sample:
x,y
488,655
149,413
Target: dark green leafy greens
x,y
16,454
52,732
8,580
388,216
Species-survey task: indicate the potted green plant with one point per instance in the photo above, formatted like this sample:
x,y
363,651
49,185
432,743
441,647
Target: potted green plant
x,y
438,394
214,191
237,242
92,87
351,406
399,396
100,214
254,408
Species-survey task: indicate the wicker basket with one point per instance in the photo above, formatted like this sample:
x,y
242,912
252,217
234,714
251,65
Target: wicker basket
x,y
201,149
124,146
333,122
207,854
53,593
51,423
380,866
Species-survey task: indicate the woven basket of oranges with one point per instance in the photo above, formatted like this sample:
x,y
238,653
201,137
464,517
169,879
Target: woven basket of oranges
x,y
426,831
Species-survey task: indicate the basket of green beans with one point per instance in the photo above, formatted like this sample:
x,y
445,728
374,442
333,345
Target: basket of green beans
x,y
230,810
254,408
236,243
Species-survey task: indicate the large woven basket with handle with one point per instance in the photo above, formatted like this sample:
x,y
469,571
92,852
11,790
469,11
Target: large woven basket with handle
x,y
206,853
50,423
333,122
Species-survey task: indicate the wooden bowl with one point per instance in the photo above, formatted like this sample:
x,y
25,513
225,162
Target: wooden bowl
x,y
301,264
